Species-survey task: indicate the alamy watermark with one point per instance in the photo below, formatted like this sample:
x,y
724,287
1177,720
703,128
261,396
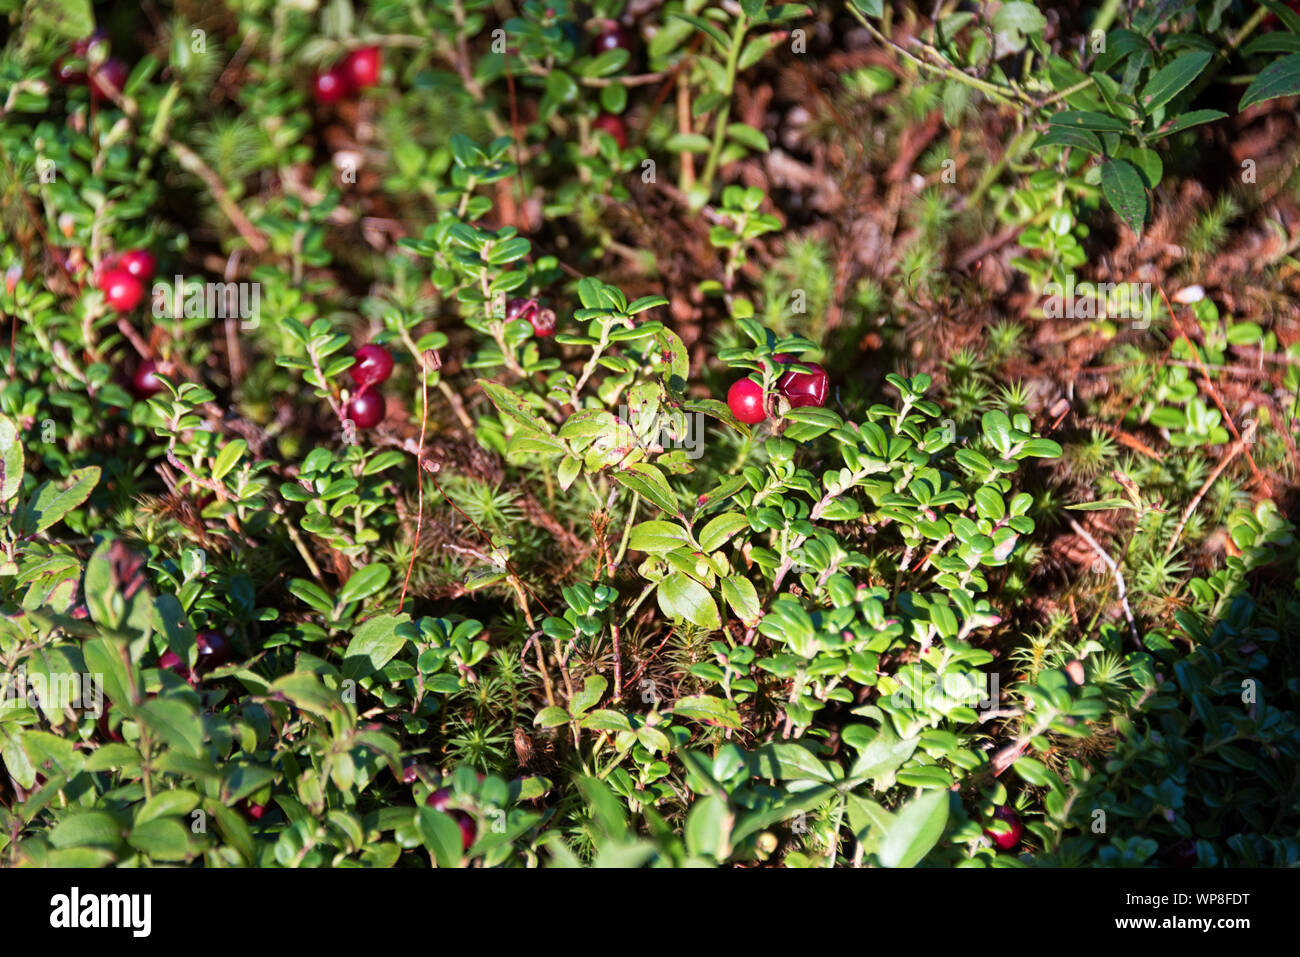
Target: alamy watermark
x,y
1101,300
209,300
81,692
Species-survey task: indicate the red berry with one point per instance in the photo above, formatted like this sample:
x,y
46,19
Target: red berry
x,y
214,649
468,830
613,125
614,37
439,799
122,290
145,384
362,67
69,73
106,729
253,812
331,85
366,409
803,388
410,773
109,77
520,308
139,263
745,399
543,322
374,364
171,661
1011,838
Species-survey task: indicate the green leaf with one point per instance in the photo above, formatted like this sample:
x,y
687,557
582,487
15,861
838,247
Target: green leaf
x,y
87,829
164,839
228,458
914,830
746,134
1170,80
1122,186
648,482
739,594
680,596
364,582
373,645
514,407
551,718
1089,120
593,689
708,828
719,529
716,35
657,537
1279,78
708,709
441,835
787,761
11,460
51,502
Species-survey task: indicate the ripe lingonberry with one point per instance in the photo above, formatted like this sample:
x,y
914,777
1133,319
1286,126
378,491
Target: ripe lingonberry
x,y
108,78
172,662
613,37
1009,838
214,649
613,125
362,67
745,399
330,86
803,388
122,291
139,263
366,409
374,364
144,383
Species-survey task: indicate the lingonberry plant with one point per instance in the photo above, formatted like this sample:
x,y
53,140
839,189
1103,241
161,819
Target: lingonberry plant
x,y
433,434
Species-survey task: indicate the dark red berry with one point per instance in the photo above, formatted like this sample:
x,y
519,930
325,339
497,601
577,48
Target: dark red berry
x,y
1010,838
803,388
468,830
144,383
122,290
251,811
172,662
613,125
520,308
410,772
362,67
106,729
139,263
374,364
439,799
366,410
745,399
331,85
69,72
108,78
543,322
214,649
613,37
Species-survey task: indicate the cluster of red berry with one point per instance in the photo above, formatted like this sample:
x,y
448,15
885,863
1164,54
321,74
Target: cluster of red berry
x,y
374,365
88,63
540,318
356,71
748,403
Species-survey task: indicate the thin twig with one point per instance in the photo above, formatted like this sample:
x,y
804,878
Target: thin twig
x,y
1119,579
